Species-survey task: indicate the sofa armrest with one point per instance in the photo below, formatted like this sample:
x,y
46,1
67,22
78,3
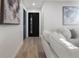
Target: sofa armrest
x,y
48,51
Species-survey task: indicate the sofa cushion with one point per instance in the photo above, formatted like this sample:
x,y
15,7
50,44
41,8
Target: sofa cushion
x,y
46,35
75,42
60,39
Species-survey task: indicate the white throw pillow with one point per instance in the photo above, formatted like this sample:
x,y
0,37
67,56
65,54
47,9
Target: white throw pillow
x,y
56,36
65,31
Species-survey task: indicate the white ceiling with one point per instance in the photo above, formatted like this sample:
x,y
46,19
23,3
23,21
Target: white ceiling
x,y
39,3
28,4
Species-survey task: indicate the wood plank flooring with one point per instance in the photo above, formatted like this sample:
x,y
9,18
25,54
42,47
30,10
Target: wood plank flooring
x,y
32,48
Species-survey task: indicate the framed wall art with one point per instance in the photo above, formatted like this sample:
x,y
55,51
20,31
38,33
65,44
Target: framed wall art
x,y
71,15
10,12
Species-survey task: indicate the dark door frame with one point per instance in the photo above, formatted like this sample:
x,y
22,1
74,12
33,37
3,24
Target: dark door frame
x,y
24,24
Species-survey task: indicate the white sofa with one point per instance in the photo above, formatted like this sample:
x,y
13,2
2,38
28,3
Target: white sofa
x,y
55,45
46,46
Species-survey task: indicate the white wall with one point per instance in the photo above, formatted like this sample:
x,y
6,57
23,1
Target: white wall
x,y
11,38
53,14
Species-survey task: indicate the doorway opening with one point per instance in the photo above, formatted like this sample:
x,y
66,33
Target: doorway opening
x,y
33,24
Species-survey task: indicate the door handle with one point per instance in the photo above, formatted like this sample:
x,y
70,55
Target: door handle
x,y
31,24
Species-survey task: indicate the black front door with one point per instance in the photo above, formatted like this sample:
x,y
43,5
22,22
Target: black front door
x,y
33,24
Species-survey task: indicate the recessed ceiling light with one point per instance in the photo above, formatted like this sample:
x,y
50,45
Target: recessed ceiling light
x,y
33,4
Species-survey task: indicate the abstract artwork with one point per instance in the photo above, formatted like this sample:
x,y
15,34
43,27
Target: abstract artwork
x,y
71,15
10,12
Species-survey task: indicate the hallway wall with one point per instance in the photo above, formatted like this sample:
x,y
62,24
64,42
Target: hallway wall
x,y
53,14
11,38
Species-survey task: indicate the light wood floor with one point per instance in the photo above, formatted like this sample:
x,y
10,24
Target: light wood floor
x,y
32,48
